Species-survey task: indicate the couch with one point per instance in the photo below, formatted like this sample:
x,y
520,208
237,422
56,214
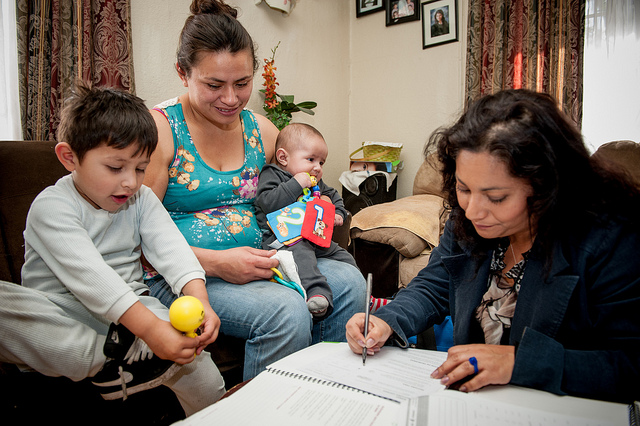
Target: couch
x,y
400,234
393,240
30,166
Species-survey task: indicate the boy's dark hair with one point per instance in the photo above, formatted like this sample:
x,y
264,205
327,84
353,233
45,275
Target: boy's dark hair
x,y
94,116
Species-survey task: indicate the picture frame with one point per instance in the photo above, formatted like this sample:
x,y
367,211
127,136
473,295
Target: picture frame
x,y
401,11
439,22
366,7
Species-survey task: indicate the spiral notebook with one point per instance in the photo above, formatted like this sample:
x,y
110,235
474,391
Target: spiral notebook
x,y
326,384
634,414
282,398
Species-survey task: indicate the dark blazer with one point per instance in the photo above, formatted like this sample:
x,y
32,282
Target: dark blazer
x,y
576,329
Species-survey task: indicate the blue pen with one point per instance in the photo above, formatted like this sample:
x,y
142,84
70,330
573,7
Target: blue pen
x,y
366,318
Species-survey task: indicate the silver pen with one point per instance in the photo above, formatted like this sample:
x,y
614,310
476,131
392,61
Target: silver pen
x,y
366,318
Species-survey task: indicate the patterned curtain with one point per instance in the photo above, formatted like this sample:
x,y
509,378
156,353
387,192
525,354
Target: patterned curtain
x,y
61,41
530,44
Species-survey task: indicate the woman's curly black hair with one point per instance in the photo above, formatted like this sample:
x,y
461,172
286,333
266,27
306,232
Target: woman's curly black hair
x,y
537,142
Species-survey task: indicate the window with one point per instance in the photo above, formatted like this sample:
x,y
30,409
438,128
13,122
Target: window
x,y
10,127
611,87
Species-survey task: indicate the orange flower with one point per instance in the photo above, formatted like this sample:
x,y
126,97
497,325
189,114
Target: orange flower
x,y
270,83
279,107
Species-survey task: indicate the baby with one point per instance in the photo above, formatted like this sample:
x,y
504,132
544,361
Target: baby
x,y
301,151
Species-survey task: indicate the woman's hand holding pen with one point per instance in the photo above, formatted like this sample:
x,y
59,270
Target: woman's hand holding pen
x,y
491,365
379,332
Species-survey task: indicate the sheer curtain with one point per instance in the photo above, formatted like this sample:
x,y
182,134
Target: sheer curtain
x,y
611,109
10,128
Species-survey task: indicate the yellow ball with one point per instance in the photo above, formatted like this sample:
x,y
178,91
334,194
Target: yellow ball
x,y
186,314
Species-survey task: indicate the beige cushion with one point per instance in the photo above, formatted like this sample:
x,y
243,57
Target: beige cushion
x,y
406,242
428,180
409,267
410,224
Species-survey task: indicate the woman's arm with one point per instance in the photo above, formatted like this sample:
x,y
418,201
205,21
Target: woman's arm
x,y
156,175
269,134
596,351
238,265
586,344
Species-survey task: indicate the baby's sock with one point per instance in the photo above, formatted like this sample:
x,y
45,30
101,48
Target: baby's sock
x,y
317,305
376,303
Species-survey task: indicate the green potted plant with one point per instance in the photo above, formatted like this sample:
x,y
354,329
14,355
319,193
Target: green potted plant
x,y
279,108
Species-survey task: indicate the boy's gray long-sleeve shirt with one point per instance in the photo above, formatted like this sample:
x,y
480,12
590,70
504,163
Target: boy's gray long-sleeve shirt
x,y
88,259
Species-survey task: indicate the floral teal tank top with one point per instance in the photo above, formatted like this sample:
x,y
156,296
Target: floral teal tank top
x,y
213,209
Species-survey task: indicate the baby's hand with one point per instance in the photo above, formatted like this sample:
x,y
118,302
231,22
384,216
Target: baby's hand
x,y
338,221
304,179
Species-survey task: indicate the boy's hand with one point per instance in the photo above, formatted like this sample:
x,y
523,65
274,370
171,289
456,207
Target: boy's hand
x,y
211,324
168,343
338,221
165,341
304,179
210,328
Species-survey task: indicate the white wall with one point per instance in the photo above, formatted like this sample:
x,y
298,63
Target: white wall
x,y
400,92
371,82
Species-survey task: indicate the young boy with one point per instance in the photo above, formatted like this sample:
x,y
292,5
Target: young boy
x,y
300,153
83,310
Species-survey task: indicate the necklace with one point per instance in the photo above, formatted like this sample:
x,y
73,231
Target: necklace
x,y
515,262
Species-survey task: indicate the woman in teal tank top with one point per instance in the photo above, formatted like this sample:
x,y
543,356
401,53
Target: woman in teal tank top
x,y
213,208
205,170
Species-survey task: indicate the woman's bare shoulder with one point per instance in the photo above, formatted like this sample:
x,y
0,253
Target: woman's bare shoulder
x,y
269,134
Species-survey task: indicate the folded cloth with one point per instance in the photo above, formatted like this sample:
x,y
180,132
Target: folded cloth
x,y
352,180
282,5
289,269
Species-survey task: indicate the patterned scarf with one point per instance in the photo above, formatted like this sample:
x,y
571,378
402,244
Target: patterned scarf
x,y
499,302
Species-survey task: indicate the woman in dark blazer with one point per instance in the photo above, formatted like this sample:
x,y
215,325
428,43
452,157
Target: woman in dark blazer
x,y
538,264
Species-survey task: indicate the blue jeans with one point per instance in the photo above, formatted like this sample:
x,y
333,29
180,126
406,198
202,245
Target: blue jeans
x,y
273,319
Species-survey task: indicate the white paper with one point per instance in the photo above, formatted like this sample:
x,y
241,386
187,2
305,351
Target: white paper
x,y
393,372
273,399
452,408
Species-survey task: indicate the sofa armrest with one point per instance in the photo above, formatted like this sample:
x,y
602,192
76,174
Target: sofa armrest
x,y
411,224
341,233
30,167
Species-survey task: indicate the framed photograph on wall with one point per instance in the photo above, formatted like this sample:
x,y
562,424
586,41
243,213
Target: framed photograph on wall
x,y
365,7
439,22
400,11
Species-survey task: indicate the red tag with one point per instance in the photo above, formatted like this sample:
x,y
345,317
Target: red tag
x,y
318,222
